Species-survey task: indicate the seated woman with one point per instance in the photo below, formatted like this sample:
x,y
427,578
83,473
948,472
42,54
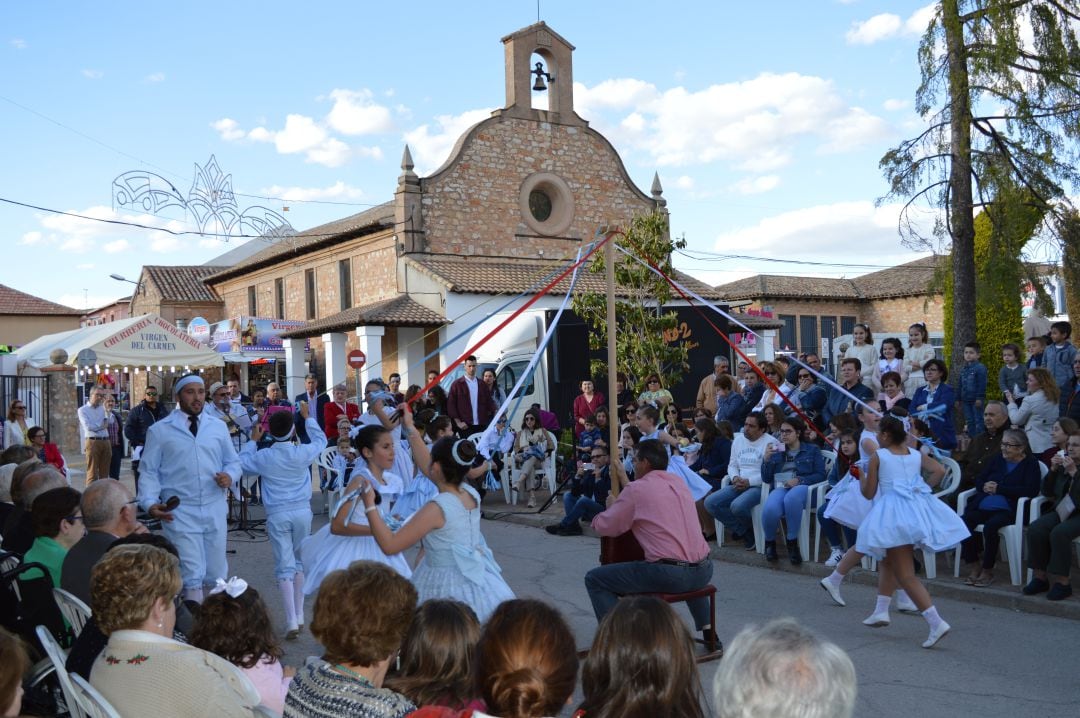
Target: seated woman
x,y
1050,537
644,638
134,591
1060,432
530,449
774,417
654,393
808,394
712,460
729,403
794,470
1007,477
48,453
769,395
361,615
58,526
1039,410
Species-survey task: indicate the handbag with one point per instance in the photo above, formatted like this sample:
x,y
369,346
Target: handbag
x,y
994,502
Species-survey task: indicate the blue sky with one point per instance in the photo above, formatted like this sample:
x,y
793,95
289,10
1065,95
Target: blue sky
x,y
765,121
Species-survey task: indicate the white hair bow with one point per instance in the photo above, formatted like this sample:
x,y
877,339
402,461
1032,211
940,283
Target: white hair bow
x,y
234,586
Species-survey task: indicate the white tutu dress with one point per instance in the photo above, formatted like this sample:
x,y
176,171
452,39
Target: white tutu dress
x,y
677,465
457,563
845,503
324,552
905,510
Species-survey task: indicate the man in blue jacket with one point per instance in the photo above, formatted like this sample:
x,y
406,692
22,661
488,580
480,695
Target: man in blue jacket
x,y
840,402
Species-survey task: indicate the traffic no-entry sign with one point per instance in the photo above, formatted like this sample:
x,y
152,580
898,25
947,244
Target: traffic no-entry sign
x,y
356,359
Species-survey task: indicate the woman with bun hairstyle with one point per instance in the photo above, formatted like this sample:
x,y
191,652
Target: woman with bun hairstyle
x,y
455,560
641,664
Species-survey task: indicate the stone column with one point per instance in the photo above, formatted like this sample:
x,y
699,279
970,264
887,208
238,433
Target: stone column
x,y
766,346
411,355
371,344
294,366
334,343
63,421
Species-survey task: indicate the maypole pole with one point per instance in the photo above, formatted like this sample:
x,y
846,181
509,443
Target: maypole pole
x,y
613,367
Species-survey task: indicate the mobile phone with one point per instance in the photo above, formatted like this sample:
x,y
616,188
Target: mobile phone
x,y
588,467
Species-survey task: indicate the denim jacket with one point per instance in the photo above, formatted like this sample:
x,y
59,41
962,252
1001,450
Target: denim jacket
x,y
972,385
809,465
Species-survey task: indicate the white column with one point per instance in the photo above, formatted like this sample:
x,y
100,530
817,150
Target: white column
x,y
371,345
334,344
411,355
766,347
294,366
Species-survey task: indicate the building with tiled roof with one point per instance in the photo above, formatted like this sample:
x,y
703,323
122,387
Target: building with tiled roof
x,y
24,317
816,309
177,294
520,194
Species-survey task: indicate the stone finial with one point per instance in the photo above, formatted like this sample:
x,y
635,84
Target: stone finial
x,y
406,160
407,177
657,189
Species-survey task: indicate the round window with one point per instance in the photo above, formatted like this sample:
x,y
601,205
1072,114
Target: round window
x,y
539,205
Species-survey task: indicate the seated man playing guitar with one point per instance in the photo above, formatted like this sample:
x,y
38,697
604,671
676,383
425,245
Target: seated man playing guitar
x,y
659,511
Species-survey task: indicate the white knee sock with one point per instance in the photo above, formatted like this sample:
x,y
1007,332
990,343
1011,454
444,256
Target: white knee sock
x,y
932,617
835,578
289,599
298,597
883,603
902,596
194,594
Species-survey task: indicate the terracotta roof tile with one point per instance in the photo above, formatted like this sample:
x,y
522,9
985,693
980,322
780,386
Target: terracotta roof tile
x,y
182,283
12,301
904,280
311,239
400,311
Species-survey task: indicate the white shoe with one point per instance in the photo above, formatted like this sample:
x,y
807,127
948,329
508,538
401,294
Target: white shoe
x,y
292,632
936,634
833,591
834,557
905,605
878,620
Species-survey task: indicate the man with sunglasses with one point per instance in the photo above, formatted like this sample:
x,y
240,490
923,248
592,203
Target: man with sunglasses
x,y
108,512
140,419
588,491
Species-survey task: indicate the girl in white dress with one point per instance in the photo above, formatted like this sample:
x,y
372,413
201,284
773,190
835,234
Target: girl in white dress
x,y
862,348
347,537
918,353
904,516
891,360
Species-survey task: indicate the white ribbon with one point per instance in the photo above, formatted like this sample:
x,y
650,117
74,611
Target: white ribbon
x,y
234,586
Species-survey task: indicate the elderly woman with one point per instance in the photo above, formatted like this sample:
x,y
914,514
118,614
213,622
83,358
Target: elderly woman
x,y
1039,411
586,404
143,671
1009,476
361,615
792,471
47,452
729,403
655,393
808,394
58,525
1050,537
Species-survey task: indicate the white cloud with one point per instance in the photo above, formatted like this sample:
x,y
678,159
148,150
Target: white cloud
x,y
755,124
355,113
894,104
31,238
229,129
164,243
18,43
339,190
756,185
118,245
77,245
300,134
431,147
156,77
93,74
685,182
84,267
77,235
887,25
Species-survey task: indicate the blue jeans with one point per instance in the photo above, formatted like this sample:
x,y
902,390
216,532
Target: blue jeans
x,y
787,504
606,584
732,507
286,529
831,529
579,507
973,418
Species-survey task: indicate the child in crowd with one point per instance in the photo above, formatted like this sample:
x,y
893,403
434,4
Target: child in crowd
x,y
918,353
437,657
904,516
846,457
1013,375
628,441
457,562
972,389
891,360
862,348
587,438
1036,347
344,462
347,537
233,623
1059,358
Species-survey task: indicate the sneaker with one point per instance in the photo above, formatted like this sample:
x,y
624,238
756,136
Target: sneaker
x,y
770,552
833,590
532,503
553,529
880,620
906,605
834,557
748,542
1036,586
794,555
572,530
712,641
1059,591
292,633
936,634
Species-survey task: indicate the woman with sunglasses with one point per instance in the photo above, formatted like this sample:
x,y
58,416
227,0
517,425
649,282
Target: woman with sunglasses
x,y
655,393
48,453
16,427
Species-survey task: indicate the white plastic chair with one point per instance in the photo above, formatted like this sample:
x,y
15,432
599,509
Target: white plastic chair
x,y
8,563
814,496
92,702
326,462
949,483
546,471
58,657
755,518
72,608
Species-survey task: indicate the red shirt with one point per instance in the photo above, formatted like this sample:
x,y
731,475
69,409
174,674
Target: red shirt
x,y
332,411
660,511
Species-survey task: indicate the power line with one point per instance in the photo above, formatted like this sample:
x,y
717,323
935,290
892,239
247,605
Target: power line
x,y
718,257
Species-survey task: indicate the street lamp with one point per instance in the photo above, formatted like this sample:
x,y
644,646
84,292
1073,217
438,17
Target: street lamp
x,y
141,289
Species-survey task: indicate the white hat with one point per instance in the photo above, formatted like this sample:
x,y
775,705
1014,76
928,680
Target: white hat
x,y
185,380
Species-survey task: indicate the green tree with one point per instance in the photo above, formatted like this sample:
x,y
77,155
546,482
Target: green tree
x,y
1068,230
1003,109
644,342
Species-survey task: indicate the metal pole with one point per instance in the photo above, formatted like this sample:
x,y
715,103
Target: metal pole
x,y
613,367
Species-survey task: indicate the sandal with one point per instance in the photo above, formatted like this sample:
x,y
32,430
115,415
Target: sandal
x,y
982,581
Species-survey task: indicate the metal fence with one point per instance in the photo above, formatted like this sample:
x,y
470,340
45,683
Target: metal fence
x,y
33,391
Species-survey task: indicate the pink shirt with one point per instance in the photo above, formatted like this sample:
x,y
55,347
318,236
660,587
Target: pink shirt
x,y
660,511
269,680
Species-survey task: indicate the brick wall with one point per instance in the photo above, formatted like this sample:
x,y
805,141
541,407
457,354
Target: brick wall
x,y
896,315
472,207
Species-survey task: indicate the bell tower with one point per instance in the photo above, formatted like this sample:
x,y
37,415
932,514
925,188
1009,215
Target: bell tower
x,y
555,74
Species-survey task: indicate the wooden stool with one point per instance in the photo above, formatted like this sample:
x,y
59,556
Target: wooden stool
x,y
713,649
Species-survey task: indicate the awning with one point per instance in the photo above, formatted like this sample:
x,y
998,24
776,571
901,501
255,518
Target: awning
x,y
146,340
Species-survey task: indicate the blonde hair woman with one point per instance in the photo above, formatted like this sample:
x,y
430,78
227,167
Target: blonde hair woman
x,y
1036,416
